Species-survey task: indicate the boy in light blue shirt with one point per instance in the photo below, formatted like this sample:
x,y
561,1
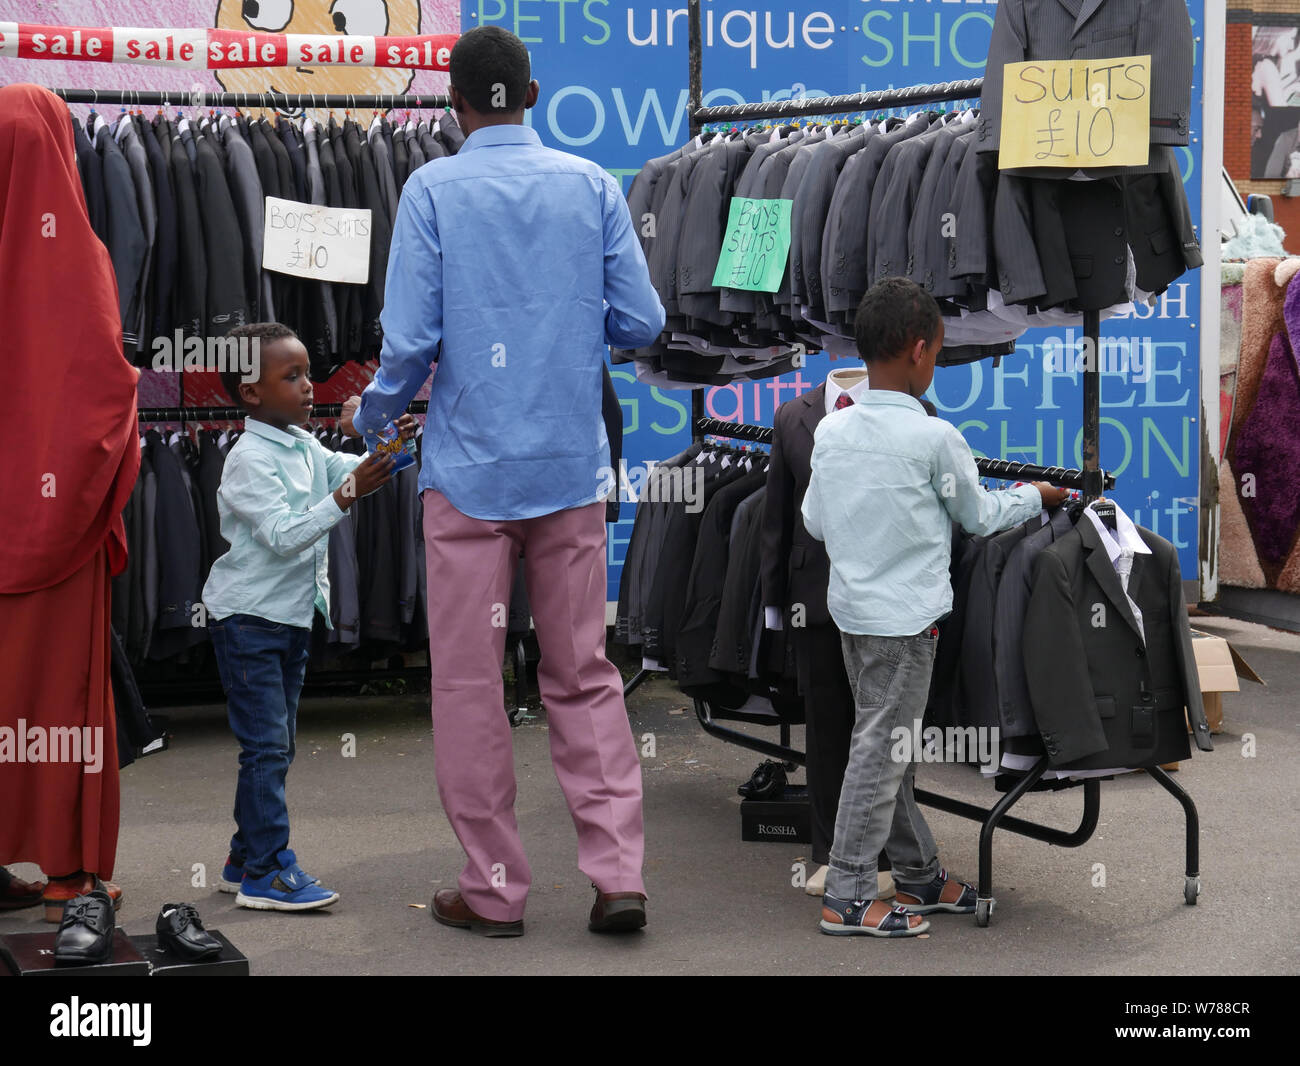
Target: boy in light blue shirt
x,y
887,483
281,493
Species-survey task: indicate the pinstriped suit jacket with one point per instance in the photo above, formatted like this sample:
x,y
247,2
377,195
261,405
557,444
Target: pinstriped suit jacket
x,y
1095,29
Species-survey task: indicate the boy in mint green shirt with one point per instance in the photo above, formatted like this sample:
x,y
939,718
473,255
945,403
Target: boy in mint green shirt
x,y
281,493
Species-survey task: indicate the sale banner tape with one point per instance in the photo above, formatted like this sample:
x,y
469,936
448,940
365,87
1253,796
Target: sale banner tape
x,y
215,49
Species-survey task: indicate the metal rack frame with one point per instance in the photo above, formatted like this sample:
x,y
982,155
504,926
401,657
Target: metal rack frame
x,y
273,101
1091,480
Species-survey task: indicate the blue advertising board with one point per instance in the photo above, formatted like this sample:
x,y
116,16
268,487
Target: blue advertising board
x,y
614,90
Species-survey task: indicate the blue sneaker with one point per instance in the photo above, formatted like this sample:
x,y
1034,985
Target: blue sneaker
x,y
231,875
289,888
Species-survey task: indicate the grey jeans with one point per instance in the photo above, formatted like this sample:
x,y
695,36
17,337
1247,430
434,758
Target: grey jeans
x,y
890,677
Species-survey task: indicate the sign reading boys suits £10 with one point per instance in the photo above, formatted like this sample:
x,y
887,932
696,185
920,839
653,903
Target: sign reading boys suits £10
x,y
1076,113
321,243
756,245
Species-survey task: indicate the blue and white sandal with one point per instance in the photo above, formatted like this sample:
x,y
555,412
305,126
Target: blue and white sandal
x,y
926,899
841,917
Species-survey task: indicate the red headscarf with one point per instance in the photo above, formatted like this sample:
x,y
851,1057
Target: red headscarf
x,y
71,453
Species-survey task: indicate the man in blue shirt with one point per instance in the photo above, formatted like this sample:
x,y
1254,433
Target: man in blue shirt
x,y
513,267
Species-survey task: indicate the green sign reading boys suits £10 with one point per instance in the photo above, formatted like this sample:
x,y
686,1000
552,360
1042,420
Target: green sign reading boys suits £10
x,y
756,245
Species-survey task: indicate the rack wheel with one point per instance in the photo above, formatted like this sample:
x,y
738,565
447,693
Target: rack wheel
x,y
983,911
1191,889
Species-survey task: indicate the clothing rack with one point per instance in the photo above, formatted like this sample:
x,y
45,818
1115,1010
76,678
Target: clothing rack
x,y
1004,469
232,414
1092,481
290,101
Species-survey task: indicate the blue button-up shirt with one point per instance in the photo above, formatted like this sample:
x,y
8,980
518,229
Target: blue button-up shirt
x,y
887,483
276,506
514,266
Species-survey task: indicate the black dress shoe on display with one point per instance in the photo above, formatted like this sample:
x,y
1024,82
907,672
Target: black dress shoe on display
x,y
767,782
180,931
85,935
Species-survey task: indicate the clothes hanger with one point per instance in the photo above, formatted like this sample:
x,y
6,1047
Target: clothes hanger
x,y
1105,510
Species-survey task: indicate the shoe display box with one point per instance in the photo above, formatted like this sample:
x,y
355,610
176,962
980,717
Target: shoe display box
x,y
32,955
230,963
787,819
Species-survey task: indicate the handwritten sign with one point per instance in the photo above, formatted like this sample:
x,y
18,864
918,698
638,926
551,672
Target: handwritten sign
x,y
322,243
756,245
1076,113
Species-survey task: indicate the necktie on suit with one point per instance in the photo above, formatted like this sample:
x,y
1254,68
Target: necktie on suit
x,y
845,400
1124,568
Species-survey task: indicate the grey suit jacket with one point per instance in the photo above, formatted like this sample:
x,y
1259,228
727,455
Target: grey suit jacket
x,y
1102,695
889,251
845,237
126,238
1014,708
642,192
813,206
1095,29
137,329
452,135
246,191
703,228
811,202
751,184
384,164
931,224
979,680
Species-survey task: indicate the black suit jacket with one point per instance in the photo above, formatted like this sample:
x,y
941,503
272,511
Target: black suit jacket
x,y
192,278
163,267
796,569
227,297
1102,696
91,169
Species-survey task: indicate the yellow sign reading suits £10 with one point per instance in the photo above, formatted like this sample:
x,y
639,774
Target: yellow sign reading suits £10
x,y
1076,113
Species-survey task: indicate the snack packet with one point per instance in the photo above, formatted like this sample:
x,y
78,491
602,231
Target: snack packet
x,y
389,441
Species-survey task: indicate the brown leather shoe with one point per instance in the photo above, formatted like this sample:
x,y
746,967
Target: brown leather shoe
x,y
617,912
15,893
61,889
448,908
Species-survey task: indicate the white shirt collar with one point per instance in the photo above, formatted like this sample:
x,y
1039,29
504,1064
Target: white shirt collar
x,y
1125,535
834,391
288,439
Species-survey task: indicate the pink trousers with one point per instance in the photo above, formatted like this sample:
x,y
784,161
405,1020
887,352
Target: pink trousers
x,y
470,568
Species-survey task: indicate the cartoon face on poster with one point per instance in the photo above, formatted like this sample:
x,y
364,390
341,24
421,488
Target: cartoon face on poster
x,y
329,17
379,18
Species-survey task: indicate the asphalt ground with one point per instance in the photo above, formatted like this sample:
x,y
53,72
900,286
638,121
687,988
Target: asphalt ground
x,y
371,827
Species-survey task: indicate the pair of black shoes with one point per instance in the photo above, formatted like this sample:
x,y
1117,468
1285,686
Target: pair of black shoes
x,y
85,936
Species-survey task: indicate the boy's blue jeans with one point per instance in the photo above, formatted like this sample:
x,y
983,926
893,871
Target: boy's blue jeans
x,y
262,665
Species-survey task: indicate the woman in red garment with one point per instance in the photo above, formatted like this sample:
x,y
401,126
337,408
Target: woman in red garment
x,y
71,458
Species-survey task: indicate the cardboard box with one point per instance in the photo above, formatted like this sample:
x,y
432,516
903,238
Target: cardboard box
x,y
1219,665
32,955
787,820
162,963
